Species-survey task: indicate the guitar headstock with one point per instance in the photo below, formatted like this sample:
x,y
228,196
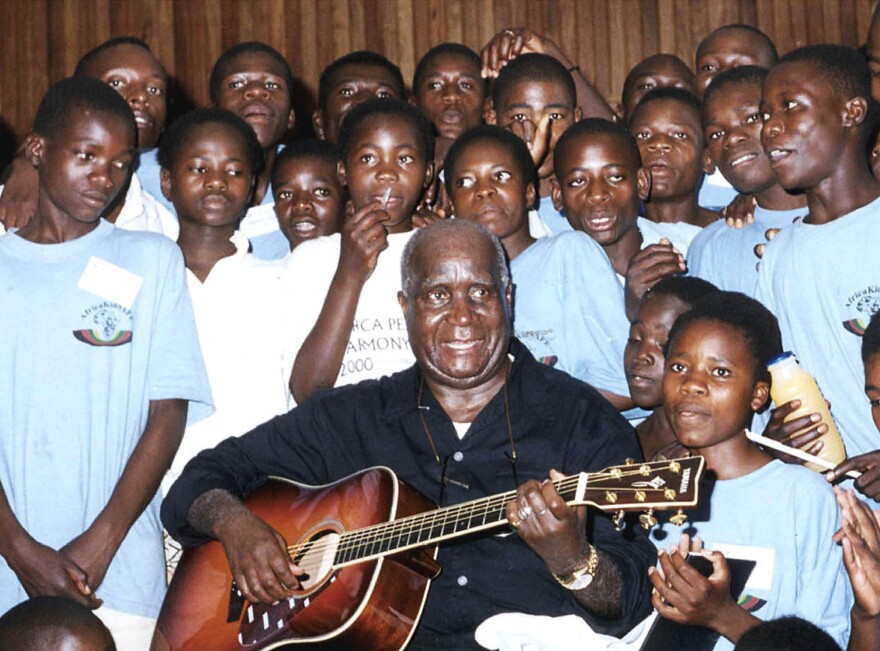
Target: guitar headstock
x,y
648,486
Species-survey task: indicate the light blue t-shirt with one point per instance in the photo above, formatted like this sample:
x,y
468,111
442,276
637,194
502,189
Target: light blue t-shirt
x,y
716,192
822,281
782,516
568,309
267,246
554,220
725,256
93,330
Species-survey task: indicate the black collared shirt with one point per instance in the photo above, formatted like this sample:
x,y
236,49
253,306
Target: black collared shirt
x,y
557,422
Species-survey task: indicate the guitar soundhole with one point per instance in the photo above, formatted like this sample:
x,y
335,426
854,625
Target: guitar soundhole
x,y
314,553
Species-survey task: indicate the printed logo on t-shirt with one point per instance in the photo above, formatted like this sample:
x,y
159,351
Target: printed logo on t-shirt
x,y
106,324
865,303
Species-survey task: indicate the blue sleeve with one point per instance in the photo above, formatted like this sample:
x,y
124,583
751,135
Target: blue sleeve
x,y
176,368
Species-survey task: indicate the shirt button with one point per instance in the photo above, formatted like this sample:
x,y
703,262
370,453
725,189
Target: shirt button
x,y
462,580
458,456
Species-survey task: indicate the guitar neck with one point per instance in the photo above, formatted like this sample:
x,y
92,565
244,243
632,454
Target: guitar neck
x,y
434,526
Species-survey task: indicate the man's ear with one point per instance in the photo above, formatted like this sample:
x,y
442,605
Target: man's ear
x,y
856,112
404,304
760,395
318,124
291,119
165,182
643,183
556,194
578,113
34,149
340,173
708,163
489,115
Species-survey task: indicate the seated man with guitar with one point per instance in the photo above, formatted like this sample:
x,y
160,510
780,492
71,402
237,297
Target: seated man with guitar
x,y
348,565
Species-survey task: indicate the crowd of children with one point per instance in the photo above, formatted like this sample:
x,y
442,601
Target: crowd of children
x,y
125,354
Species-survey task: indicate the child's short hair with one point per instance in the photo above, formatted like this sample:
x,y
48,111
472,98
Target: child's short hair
x,y
786,634
444,48
532,67
681,67
74,94
751,319
322,150
388,108
679,94
738,75
47,622
364,57
871,338
688,289
595,127
89,57
180,129
491,133
223,65
766,42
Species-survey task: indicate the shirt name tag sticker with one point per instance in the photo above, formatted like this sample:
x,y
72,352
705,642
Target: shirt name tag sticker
x,y
761,577
110,282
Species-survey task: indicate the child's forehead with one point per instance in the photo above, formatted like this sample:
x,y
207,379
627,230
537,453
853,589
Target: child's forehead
x,y
378,124
601,149
536,93
315,165
800,76
364,72
254,62
666,109
444,61
125,55
80,121
732,41
733,95
486,149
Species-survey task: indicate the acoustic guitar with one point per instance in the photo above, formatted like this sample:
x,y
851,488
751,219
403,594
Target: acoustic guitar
x,y
368,544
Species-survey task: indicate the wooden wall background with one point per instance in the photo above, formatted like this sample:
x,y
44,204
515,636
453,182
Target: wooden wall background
x,y
43,39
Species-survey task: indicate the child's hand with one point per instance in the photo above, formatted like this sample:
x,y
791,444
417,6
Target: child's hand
x,y
770,233
44,571
685,596
860,538
363,238
18,204
741,211
869,465
509,44
790,434
647,267
537,137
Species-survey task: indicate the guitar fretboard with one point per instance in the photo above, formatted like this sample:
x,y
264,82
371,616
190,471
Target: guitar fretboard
x,y
433,526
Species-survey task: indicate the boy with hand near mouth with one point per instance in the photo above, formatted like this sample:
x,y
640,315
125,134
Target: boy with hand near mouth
x,y
352,325
820,275
599,184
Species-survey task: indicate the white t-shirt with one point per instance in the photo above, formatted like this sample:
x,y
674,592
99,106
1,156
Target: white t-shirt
x,y
379,343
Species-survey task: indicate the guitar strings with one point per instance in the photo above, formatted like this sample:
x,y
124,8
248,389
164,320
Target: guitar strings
x,y
386,532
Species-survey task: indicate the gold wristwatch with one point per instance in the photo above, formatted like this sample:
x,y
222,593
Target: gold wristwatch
x,y
582,574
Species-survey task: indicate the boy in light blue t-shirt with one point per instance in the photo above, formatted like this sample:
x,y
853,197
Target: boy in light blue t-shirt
x,y
98,364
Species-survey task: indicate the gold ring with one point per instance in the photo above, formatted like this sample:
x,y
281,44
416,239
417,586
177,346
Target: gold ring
x,y
515,525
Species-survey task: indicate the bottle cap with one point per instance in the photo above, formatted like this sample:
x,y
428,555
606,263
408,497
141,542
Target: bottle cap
x,y
787,357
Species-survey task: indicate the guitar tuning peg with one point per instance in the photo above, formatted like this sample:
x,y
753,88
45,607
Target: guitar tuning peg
x,y
629,461
647,520
679,518
617,521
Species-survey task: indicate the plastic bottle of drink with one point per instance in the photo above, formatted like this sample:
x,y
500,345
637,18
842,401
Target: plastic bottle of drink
x,y
791,382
